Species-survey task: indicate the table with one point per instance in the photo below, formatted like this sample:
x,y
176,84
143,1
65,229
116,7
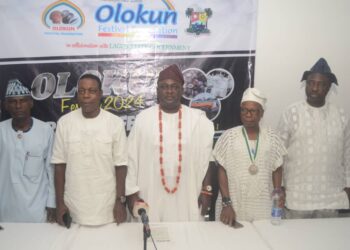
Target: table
x,y
308,234
186,235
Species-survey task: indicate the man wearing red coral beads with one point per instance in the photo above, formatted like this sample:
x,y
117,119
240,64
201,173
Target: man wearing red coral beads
x,y
169,150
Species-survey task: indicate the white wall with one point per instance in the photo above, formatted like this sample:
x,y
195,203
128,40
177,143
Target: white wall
x,y
292,36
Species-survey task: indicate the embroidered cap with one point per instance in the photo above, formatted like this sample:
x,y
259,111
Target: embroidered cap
x,y
172,72
254,95
322,67
16,88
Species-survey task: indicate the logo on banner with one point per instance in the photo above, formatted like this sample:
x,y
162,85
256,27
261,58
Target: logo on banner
x,y
63,16
198,20
136,20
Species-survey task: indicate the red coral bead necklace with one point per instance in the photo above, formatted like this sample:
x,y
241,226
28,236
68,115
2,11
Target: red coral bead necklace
x,y
166,187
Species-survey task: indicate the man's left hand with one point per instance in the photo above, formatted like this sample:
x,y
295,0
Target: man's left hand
x,y
50,214
119,212
205,202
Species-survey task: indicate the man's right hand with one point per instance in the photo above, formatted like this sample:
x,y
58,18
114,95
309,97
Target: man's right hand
x,y
61,209
130,201
228,215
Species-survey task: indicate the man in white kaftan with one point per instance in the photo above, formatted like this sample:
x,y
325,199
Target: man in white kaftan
x,y
144,170
91,148
144,142
89,155
27,191
317,136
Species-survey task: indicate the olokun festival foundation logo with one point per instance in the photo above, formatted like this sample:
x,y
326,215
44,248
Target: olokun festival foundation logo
x,y
63,15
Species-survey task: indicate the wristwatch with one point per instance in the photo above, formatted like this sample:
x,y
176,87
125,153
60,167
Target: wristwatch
x,y
122,199
226,201
208,188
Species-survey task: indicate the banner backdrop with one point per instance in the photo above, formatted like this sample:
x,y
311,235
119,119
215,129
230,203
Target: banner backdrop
x,y
47,45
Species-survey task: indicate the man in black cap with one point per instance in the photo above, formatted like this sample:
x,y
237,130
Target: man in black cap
x,y
169,151
316,134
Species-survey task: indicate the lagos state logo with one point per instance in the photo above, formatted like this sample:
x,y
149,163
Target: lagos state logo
x,y
198,20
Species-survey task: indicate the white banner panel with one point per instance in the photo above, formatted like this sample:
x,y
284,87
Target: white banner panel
x,y
32,29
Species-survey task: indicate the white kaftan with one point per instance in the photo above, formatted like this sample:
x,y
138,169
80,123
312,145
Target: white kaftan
x,y
91,149
144,170
26,175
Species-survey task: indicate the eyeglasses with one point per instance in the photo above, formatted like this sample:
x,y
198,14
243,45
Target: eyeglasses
x,y
245,111
89,91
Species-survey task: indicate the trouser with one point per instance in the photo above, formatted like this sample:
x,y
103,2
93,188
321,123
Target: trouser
x,y
311,214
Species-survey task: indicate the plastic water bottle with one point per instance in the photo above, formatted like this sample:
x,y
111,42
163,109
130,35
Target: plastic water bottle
x,y
276,212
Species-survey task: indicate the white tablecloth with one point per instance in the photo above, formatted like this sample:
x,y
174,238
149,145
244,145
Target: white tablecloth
x,y
311,234
306,234
188,235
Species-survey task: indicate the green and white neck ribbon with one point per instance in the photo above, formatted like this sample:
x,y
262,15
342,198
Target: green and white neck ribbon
x,y
253,169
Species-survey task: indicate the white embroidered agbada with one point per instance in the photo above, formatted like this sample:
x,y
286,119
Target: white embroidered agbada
x,y
250,194
317,167
144,170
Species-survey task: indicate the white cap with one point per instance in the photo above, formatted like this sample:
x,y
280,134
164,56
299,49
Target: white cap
x,y
92,72
254,95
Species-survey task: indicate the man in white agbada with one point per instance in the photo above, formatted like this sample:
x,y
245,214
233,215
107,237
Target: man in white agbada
x,y
317,136
250,161
169,149
90,160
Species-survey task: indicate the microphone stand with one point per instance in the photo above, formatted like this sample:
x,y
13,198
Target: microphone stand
x,y
146,234
146,228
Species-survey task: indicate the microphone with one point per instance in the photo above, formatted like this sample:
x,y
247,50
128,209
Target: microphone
x,y
145,221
